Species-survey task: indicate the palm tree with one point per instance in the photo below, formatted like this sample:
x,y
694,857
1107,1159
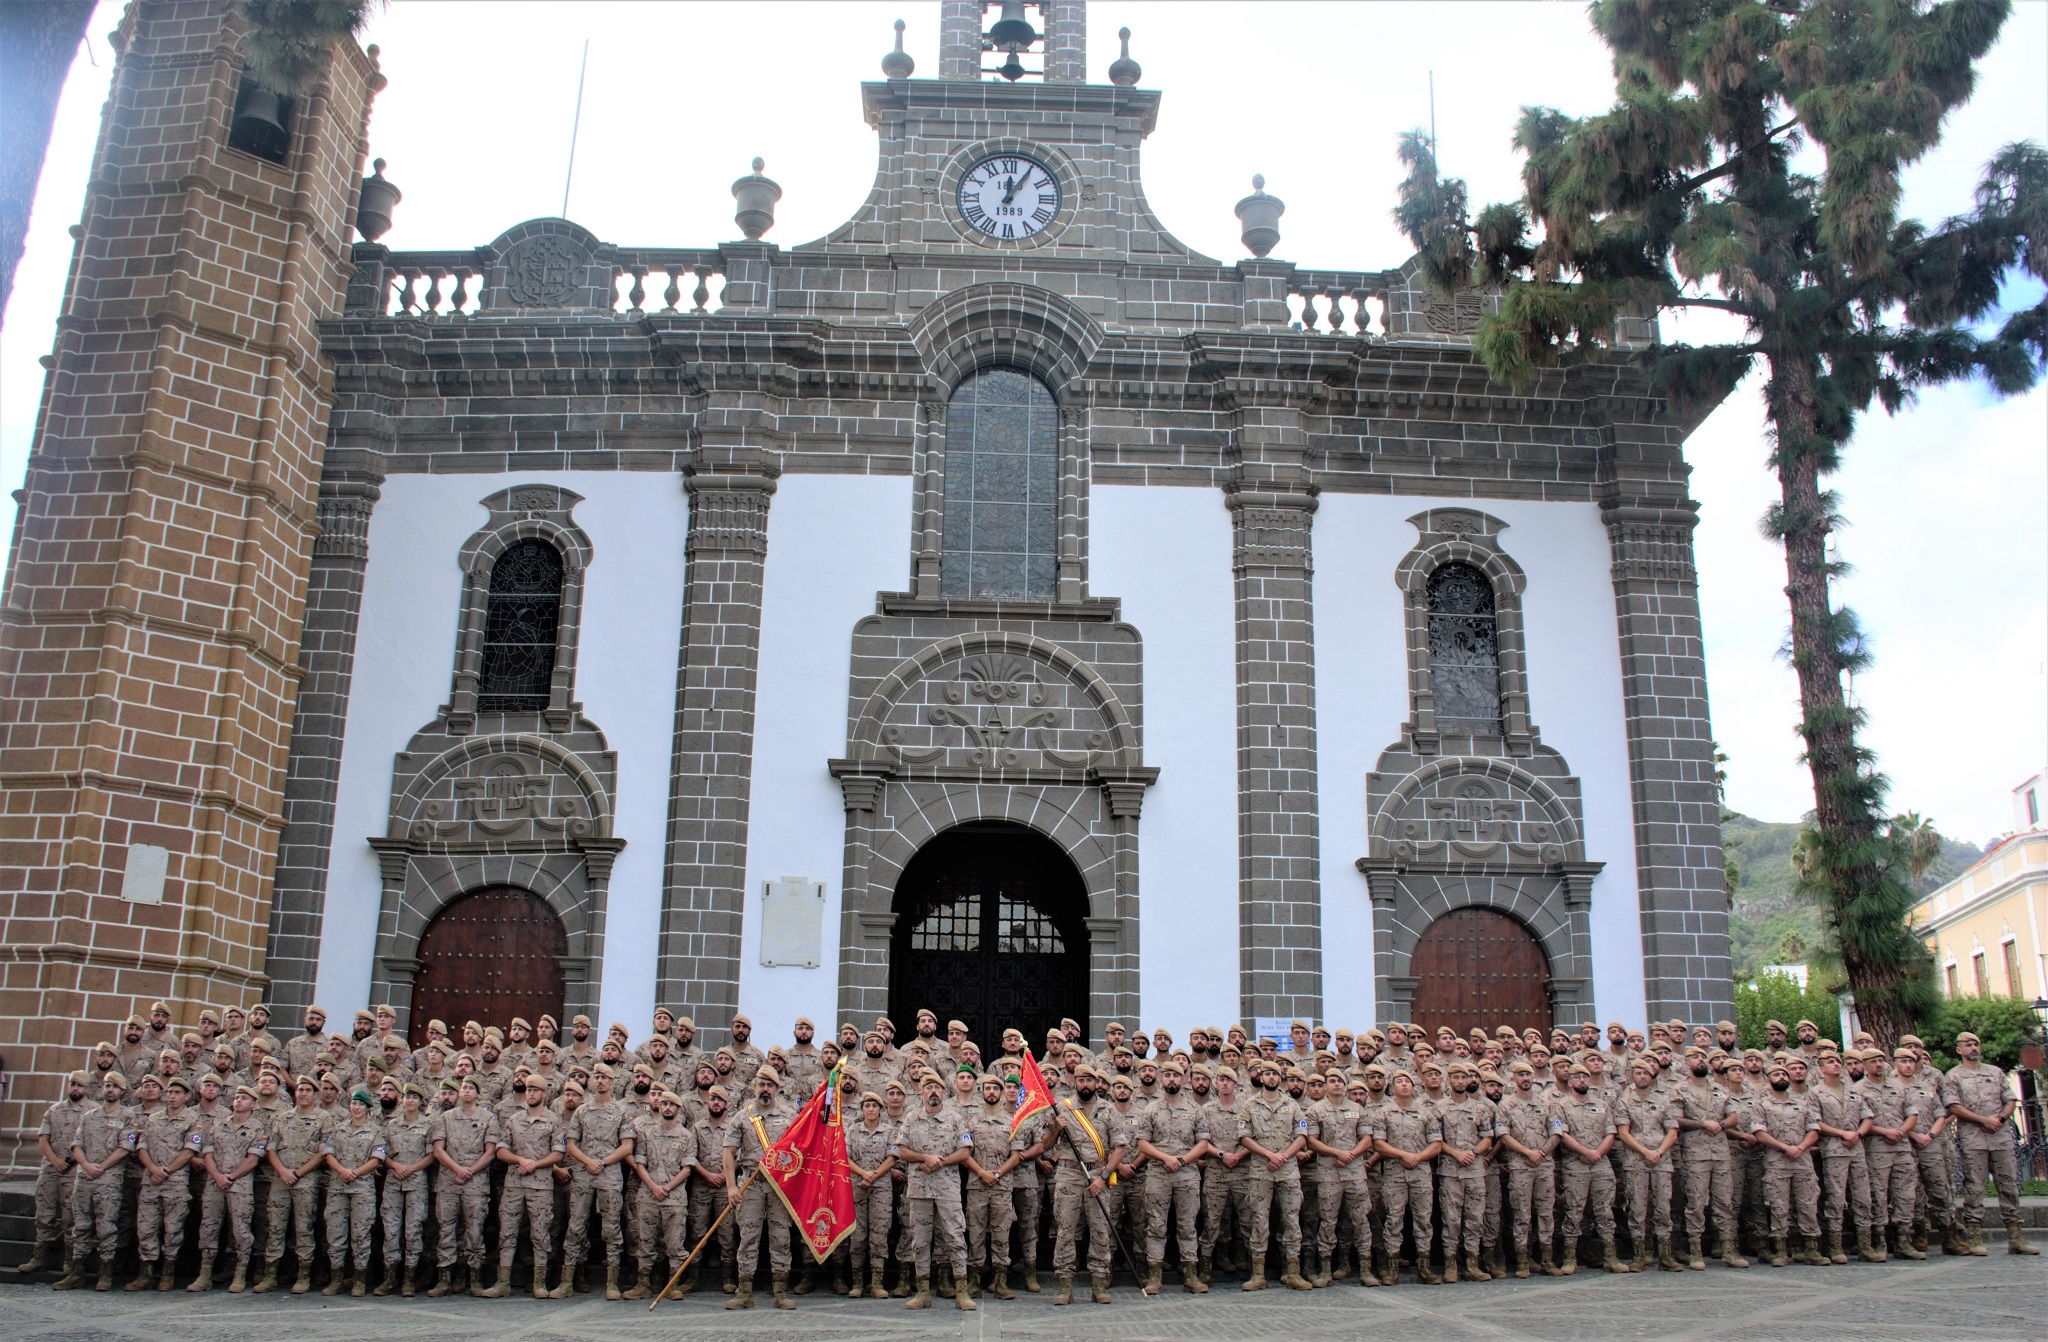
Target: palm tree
x,y
1919,844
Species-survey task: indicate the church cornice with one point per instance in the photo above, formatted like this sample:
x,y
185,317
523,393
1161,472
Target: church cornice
x,y
902,97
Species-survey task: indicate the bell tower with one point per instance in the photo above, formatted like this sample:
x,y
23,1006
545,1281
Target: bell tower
x,y
150,621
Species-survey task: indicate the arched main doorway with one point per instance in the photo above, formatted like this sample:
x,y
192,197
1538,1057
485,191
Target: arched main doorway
x,y
991,929
1479,967
489,956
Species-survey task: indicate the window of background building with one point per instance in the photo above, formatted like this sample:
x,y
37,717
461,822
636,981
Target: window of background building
x,y
1977,966
522,618
1955,987
2012,969
1002,488
2033,807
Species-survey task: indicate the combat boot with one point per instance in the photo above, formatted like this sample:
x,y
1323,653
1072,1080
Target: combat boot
x,y
1065,1294
38,1259
742,1295
1729,1256
1522,1264
1424,1273
443,1284
463,1285
1641,1262
1473,1271
1834,1248
1667,1255
778,1286
499,1288
1779,1257
360,1286
1905,1246
1257,1280
2016,1240
902,1287
168,1278
565,1286
1099,1288
1390,1270
692,1279
241,1281
1153,1280
611,1282
842,1282
410,1287
1000,1287
73,1278
1205,1267
204,1281
1868,1249
1450,1273
1291,1277
962,1299
875,1286
1919,1240
1323,1276
1191,1279
1697,1260
923,1298
1975,1239
1807,1251
803,1282
337,1281
106,1279
1031,1286
145,1278
387,1283
728,1276
268,1281
642,1288
305,1280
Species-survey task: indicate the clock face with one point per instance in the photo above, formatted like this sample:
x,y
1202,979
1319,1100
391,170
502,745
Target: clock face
x,y
1009,197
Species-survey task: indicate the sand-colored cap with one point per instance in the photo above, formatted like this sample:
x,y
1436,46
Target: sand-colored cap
x,y
1226,1071
770,1073
413,1088
208,1013
572,1085
521,1022
743,1020
364,1015
546,1046
1724,1025
1969,1035
1521,1067
1580,1069
1806,1025
250,1091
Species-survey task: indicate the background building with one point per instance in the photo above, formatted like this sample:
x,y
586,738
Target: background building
x,y
1989,926
992,605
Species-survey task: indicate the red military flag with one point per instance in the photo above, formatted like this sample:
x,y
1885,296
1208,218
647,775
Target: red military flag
x,y
808,1171
1033,1094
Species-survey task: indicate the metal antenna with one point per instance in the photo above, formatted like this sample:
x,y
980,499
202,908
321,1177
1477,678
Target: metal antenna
x,y
1432,119
576,127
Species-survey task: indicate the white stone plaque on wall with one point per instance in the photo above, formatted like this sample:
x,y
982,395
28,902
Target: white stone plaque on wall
x,y
143,880
1276,1028
792,921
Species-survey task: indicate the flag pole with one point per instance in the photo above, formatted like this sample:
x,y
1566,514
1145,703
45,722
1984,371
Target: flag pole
x,y
1100,1201
713,1230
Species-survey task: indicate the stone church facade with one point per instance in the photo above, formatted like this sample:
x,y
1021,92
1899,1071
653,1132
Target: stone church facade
x,y
696,595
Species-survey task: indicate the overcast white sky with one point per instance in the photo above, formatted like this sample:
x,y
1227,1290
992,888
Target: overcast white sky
x,y
1949,501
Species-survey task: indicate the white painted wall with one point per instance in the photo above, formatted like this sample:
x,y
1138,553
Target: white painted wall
x,y
1165,553
1575,700
833,542
626,681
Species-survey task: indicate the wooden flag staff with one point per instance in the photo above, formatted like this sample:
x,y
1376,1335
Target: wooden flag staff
x,y
730,1203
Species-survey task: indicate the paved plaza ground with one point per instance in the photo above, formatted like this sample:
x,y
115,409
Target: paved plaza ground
x,y
1941,1300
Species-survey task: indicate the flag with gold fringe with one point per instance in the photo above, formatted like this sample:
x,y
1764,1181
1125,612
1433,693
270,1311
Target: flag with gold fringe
x,y
808,1171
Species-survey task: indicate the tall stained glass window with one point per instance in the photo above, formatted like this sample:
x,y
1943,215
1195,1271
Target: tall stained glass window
x,y
1464,656
522,616
1002,487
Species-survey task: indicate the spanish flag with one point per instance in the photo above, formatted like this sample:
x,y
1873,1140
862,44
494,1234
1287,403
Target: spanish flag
x,y
808,1171
1033,1095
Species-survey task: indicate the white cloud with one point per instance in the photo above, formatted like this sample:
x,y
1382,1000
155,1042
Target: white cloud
x,y
1947,500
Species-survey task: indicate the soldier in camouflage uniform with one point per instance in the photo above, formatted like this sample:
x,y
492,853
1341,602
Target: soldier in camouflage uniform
x,y
1646,1127
1894,1170
707,1190
757,1126
1275,1131
1468,1121
1981,1102
1844,1119
929,1143
1705,1109
1931,1140
235,1147
992,1167
355,1151
1784,1124
1341,1133
297,1162
166,1143
465,1146
408,1179
1587,1134
663,1151
1409,1136
867,1152
1089,1143
53,1175
599,1139
1173,1132
530,1144
99,1151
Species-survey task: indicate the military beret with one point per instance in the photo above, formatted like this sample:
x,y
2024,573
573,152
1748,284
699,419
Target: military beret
x,y
892,1084
1580,1069
450,1083
1226,1073
136,1019
777,1051
437,1027
1777,1067
365,1015
1969,1035
1120,1080
1344,1034
413,1088
580,1020
578,1069
1170,1065
685,1023
1430,1066
718,1093
1724,1025
521,1022
208,1013
546,1046
742,1020
606,1069
1520,1068
1911,1040
1806,1025
1374,1069
149,1079
1903,1052
572,1085
493,1035
661,1011
250,1091
321,1012
884,1023
770,1073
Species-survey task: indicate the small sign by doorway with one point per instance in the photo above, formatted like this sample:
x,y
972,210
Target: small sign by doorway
x,y
1274,1028
792,921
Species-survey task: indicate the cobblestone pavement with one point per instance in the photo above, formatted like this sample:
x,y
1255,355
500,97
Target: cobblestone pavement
x,y
1945,1298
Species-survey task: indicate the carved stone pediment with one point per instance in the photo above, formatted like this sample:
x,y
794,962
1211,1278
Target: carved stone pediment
x,y
994,702
1460,810
516,789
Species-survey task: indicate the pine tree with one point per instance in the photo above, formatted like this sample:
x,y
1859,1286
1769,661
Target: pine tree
x,y
1684,195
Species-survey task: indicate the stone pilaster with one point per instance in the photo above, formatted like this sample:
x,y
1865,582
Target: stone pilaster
x,y
327,657
1684,903
1272,504
704,890
1066,41
960,39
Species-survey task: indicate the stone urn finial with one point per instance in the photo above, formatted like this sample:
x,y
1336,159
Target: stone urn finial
x,y
1260,215
898,63
756,196
1123,70
375,203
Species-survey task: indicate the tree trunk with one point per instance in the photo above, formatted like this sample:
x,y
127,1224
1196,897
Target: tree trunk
x,y
1844,867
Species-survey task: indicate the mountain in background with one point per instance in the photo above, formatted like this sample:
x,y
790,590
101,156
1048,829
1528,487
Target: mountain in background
x,y
1768,923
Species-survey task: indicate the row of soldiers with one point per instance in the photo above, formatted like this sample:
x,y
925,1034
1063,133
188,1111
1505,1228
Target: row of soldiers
x,y
1337,1152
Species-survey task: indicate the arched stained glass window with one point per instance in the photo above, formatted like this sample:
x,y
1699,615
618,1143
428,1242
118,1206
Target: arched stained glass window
x,y
1464,655
522,618
1002,487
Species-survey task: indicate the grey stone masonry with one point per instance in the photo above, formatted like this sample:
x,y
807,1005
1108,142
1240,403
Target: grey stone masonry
x,y
1279,862
704,886
1684,900
327,654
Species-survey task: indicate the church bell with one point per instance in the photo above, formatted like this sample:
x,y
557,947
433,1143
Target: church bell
x,y
259,125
